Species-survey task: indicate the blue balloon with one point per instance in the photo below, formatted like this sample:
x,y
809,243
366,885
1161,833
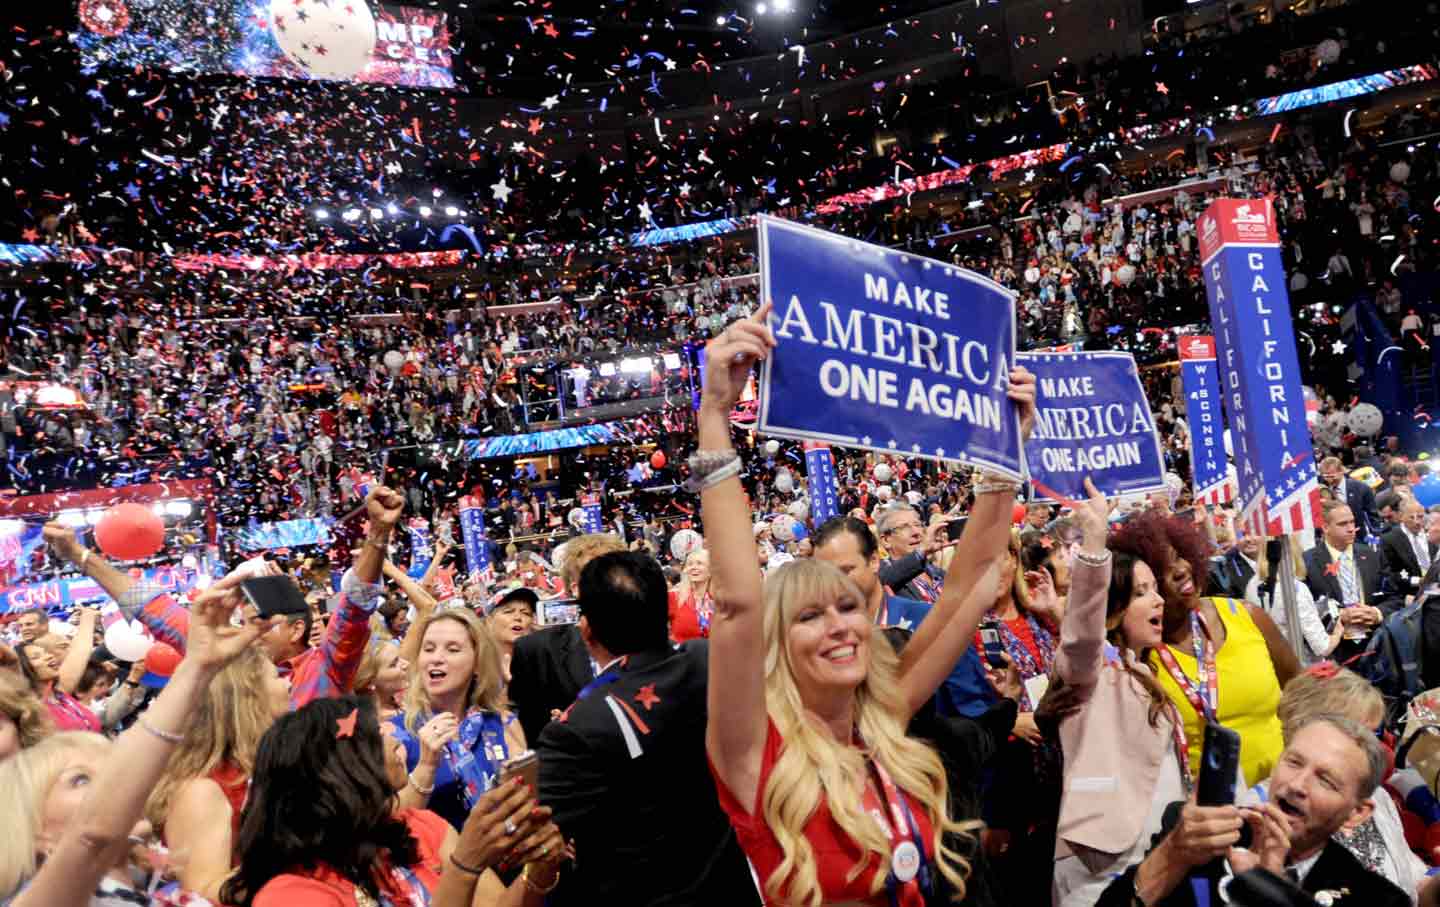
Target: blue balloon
x,y
1427,491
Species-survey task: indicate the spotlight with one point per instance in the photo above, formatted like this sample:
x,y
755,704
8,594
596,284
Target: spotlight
x,y
322,214
783,6
352,215
391,209
376,214
425,211
451,211
761,9
721,20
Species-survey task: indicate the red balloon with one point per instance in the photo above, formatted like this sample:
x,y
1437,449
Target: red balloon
x,y
129,532
657,460
1017,515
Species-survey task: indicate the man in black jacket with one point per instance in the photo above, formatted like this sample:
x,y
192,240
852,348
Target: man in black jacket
x,y
1322,783
1343,573
549,666
907,570
1407,550
1354,493
624,768
1231,572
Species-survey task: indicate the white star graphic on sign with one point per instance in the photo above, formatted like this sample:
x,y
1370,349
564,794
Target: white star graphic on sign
x,y
865,440
501,191
914,448
892,443
939,451
550,102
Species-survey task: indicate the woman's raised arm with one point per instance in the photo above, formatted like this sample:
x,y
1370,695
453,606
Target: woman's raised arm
x,y
735,735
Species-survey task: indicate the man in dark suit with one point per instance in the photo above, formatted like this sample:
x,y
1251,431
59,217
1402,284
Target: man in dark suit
x,y
1346,575
549,666
1406,550
624,768
1353,492
1231,572
1322,783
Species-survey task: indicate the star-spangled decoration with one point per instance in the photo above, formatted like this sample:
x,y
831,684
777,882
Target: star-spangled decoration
x,y
939,451
645,213
1337,347
550,102
1332,568
915,448
501,191
865,440
669,65
892,444
518,147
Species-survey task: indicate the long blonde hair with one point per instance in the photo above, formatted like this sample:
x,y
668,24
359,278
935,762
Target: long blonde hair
x,y
25,782
813,764
487,686
226,729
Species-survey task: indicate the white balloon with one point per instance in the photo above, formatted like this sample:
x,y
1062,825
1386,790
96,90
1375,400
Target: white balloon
x,y
325,39
1328,50
884,492
784,481
1365,419
914,497
800,510
883,472
772,447
1399,171
125,643
1126,275
394,359
576,517
684,542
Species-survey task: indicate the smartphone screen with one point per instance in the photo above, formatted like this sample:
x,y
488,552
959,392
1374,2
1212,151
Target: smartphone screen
x,y
956,528
990,636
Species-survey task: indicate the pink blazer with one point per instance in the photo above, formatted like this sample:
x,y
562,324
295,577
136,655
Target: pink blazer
x,y
1112,754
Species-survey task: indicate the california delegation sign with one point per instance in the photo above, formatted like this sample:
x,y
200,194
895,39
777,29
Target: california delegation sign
x,y
886,351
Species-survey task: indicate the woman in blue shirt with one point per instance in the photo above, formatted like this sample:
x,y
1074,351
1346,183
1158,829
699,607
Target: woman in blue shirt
x,y
456,729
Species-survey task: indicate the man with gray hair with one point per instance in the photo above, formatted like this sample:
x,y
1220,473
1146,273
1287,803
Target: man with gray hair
x,y
1323,782
907,570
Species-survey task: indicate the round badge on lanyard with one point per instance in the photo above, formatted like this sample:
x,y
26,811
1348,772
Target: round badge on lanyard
x,y
905,861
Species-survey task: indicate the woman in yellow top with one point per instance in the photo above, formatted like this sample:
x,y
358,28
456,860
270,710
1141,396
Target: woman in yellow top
x,y
1223,660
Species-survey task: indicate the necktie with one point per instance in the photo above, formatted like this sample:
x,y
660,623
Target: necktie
x,y
1422,552
1348,589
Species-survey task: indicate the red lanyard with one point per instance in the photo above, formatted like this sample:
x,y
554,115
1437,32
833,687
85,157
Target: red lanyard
x,y
1204,693
1182,746
908,870
75,709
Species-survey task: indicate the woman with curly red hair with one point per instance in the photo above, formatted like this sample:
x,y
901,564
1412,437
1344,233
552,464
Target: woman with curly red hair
x,y
1223,660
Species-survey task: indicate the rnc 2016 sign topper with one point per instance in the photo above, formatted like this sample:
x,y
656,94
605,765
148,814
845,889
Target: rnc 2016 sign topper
x,y
1092,421
885,350
1258,366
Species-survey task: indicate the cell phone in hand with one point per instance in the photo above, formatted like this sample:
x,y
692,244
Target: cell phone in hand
x,y
526,765
994,649
1219,763
273,595
956,528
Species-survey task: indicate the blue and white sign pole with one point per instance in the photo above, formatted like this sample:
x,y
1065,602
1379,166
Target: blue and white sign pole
x,y
1201,382
824,490
886,351
1260,376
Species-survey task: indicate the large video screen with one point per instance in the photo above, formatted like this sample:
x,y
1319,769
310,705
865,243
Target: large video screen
x,y
340,40
1349,88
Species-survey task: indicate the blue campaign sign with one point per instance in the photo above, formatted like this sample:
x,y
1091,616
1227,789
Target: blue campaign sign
x,y
591,521
1091,421
1258,365
1201,382
421,550
472,533
885,350
824,490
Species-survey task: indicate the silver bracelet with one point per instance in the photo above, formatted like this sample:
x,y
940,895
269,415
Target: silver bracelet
x,y
422,791
710,480
1093,560
704,462
996,488
154,731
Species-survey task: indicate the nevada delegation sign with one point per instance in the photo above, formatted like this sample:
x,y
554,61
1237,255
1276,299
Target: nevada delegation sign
x,y
887,351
